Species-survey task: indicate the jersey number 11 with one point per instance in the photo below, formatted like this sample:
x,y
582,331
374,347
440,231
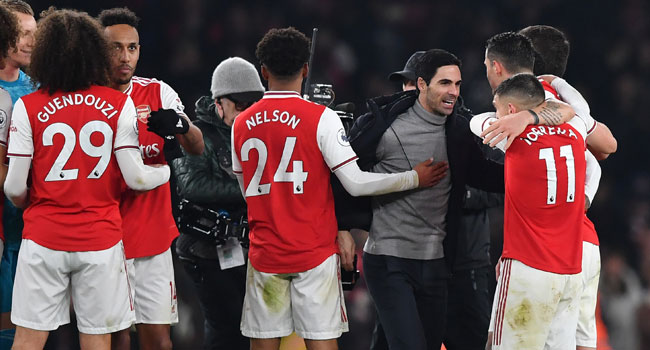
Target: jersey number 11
x,y
566,152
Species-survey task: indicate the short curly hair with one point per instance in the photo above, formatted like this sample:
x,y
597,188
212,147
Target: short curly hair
x,y
9,32
118,15
70,53
283,51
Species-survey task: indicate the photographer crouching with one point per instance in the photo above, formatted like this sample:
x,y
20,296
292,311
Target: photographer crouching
x,y
212,220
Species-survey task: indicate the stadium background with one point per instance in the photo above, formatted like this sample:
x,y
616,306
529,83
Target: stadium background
x,y
361,41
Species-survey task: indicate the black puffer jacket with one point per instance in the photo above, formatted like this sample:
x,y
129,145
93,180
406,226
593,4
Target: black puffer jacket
x,y
207,179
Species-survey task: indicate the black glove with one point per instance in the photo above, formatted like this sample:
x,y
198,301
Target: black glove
x,y
172,149
166,122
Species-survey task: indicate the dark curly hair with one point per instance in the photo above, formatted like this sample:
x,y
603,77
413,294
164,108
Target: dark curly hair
x,y
283,51
118,15
70,53
9,30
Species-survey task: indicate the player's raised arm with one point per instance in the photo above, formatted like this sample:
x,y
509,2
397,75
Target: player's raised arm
x,y
481,122
164,123
600,140
510,126
137,176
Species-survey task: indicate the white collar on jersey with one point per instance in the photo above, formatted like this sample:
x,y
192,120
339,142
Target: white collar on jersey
x,y
129,88
281,94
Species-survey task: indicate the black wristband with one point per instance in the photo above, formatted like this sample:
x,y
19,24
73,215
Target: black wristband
x,y
535,116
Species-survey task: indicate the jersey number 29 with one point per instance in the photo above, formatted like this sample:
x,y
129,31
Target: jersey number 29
x,y
297,176
103,151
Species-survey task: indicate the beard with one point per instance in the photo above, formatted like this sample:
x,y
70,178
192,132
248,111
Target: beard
x,y
122,81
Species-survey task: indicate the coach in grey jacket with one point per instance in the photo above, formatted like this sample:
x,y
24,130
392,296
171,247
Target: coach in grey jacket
x,y
413,234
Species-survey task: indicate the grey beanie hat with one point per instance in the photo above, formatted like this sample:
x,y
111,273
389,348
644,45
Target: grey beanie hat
x,y
237,78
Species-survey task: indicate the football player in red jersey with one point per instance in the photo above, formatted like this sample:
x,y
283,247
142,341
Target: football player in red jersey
x,y
539,282
503,58
148,223
508,54
64,137
552,48
284,150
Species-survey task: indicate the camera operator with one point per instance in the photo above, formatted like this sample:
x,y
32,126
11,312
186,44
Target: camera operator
x,y
207,181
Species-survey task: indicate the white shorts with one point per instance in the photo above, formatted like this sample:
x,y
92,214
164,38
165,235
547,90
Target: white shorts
x,y
586,333
96,281
154,289
310,303
534,309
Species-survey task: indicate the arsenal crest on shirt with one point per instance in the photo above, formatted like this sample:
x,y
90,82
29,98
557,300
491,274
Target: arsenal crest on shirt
x,y
143,112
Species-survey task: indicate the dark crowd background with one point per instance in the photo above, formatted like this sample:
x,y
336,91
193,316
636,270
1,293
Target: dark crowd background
x,y
361,41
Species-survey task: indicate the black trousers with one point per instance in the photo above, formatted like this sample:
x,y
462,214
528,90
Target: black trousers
x,y
468,309
221,296
411,300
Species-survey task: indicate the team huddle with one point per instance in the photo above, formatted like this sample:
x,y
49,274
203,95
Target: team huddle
x,y
91,149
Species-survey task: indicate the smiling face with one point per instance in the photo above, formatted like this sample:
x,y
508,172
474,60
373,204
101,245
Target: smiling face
x,y
20,57
440,95
125,48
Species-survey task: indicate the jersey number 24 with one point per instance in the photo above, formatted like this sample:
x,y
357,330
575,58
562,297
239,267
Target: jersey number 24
x,y
297,176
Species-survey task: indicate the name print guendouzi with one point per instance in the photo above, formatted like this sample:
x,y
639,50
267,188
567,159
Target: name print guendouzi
x,y
59,103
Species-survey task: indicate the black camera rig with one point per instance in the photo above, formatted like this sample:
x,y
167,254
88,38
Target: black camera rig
x,y
324,93
211,225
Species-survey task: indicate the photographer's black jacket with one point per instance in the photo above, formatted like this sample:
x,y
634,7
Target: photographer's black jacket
x,y
205,179
467,163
